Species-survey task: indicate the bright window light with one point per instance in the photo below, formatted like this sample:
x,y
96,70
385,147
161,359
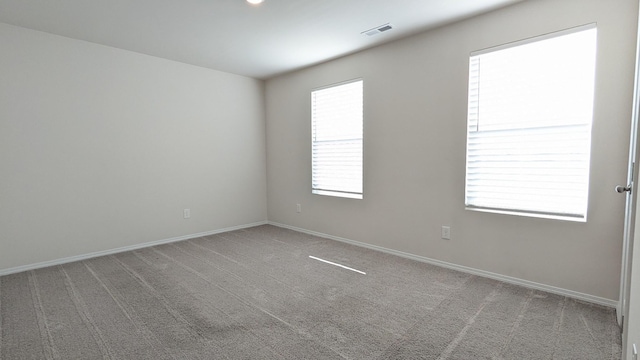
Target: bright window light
x,y
529,125
338,265
336,146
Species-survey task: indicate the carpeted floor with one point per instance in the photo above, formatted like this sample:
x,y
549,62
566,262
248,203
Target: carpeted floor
x,y
256,294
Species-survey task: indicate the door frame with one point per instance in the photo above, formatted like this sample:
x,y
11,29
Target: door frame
x,y
630,202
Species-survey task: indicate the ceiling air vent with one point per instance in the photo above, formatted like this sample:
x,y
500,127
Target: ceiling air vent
x,y
377,30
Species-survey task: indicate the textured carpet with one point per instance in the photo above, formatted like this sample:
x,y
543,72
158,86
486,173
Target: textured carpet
x,y
256,294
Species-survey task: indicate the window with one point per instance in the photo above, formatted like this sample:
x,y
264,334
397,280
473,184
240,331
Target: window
x,y
529,125
336,126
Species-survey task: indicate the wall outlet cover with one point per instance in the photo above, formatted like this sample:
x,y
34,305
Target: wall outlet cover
x,y
446,233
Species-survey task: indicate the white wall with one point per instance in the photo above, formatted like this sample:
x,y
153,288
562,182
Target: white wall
x,y
415,118
102,148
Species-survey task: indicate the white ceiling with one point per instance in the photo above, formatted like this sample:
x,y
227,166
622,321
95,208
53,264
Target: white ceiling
x,y
231,35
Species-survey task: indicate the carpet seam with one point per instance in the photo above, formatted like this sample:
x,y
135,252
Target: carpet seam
x,y
557,325
403,337
444,355
263,341
516,324
87,319
240,299
50,350
191,328
141,258
215,252
586,325
248,304
197,273
148,335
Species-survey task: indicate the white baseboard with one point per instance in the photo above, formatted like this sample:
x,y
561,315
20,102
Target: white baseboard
x,y
444,264
465,269
66,260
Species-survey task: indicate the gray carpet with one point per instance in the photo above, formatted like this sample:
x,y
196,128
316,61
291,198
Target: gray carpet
x,y
256,294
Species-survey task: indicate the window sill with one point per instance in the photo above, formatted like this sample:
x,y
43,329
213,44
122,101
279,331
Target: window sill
x,y
337,194
529,214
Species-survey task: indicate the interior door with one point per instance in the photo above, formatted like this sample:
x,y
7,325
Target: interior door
x,y
630,193
629,217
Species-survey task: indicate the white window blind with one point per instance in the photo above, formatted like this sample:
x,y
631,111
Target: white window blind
x,y
529,125
337,127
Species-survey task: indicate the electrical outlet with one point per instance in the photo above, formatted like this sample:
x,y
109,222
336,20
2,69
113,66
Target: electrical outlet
x,y
298,208
186,213
446,233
